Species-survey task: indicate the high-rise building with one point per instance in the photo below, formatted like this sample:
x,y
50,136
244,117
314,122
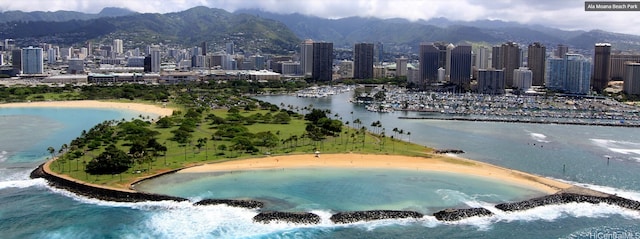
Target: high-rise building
x,y
522,78
230,48
52,56
16,59
618,65
258,62
632,78
460,66
203,45
322,61
570,74
496,57
601,66
9,44
363,61
306,57
536,56
32,61
118,46
561,50
447,64
379,53
401,66
76,66
155,60
482,58
432,56
508,58
491,81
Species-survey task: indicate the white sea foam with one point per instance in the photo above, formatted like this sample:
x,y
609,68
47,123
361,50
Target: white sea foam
x,y
629,194
623,147
538,137
22,183
169,219
4,155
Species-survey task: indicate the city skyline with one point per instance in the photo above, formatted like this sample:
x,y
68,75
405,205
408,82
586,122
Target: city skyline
x,y
566,15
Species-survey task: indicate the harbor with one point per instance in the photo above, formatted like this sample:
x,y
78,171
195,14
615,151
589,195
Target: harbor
x,y
558,109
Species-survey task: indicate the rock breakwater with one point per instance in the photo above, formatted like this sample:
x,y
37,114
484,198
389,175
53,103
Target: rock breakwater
x,y
563,198
459,214
99,192
250,204
351,217
448,151
293,217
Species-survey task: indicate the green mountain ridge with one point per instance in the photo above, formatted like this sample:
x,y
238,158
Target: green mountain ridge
x,y
404,34
187,28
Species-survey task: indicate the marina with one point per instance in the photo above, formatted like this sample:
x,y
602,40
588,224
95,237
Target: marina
x,y
561,109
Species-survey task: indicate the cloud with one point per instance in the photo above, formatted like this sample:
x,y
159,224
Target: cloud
x,y
565,14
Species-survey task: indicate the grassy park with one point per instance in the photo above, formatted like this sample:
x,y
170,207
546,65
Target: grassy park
x,y
194,135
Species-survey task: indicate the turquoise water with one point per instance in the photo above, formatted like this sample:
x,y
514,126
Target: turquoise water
x,y
30,209
339,190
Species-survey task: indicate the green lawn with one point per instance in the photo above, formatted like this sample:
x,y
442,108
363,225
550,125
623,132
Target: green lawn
x,y
184,155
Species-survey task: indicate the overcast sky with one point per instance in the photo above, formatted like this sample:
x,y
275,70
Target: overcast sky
x,y
564,14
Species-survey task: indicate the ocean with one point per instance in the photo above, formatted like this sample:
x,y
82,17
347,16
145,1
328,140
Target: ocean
x,y
601,158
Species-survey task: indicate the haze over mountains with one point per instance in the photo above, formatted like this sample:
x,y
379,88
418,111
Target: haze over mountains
x,y
282,32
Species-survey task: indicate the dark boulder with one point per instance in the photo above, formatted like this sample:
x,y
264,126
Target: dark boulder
x,y
459,214
350,217
292,217
251,204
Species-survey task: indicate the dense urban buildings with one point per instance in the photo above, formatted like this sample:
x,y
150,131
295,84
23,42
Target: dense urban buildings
x,y
536,58
601,66
617,65
440,66
632,78
322,69
363,61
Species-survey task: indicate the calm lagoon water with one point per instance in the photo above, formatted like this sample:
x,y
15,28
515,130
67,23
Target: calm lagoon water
x,y
30,209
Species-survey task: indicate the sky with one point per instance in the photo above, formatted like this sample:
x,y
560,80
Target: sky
x,y
563,14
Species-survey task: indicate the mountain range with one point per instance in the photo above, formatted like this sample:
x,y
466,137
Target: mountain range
x,y
256,30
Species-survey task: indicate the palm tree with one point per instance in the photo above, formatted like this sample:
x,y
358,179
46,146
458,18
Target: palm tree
x,y
51,151
203,142
62,150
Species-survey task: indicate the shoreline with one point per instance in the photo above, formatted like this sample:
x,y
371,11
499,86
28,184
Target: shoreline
x,y
435,163
138,107
561,193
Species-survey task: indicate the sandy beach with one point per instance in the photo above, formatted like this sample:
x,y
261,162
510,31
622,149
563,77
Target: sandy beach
x,y
142,108
439,163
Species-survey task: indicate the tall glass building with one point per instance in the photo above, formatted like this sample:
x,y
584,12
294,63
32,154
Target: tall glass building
x,y
32,61
571,74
